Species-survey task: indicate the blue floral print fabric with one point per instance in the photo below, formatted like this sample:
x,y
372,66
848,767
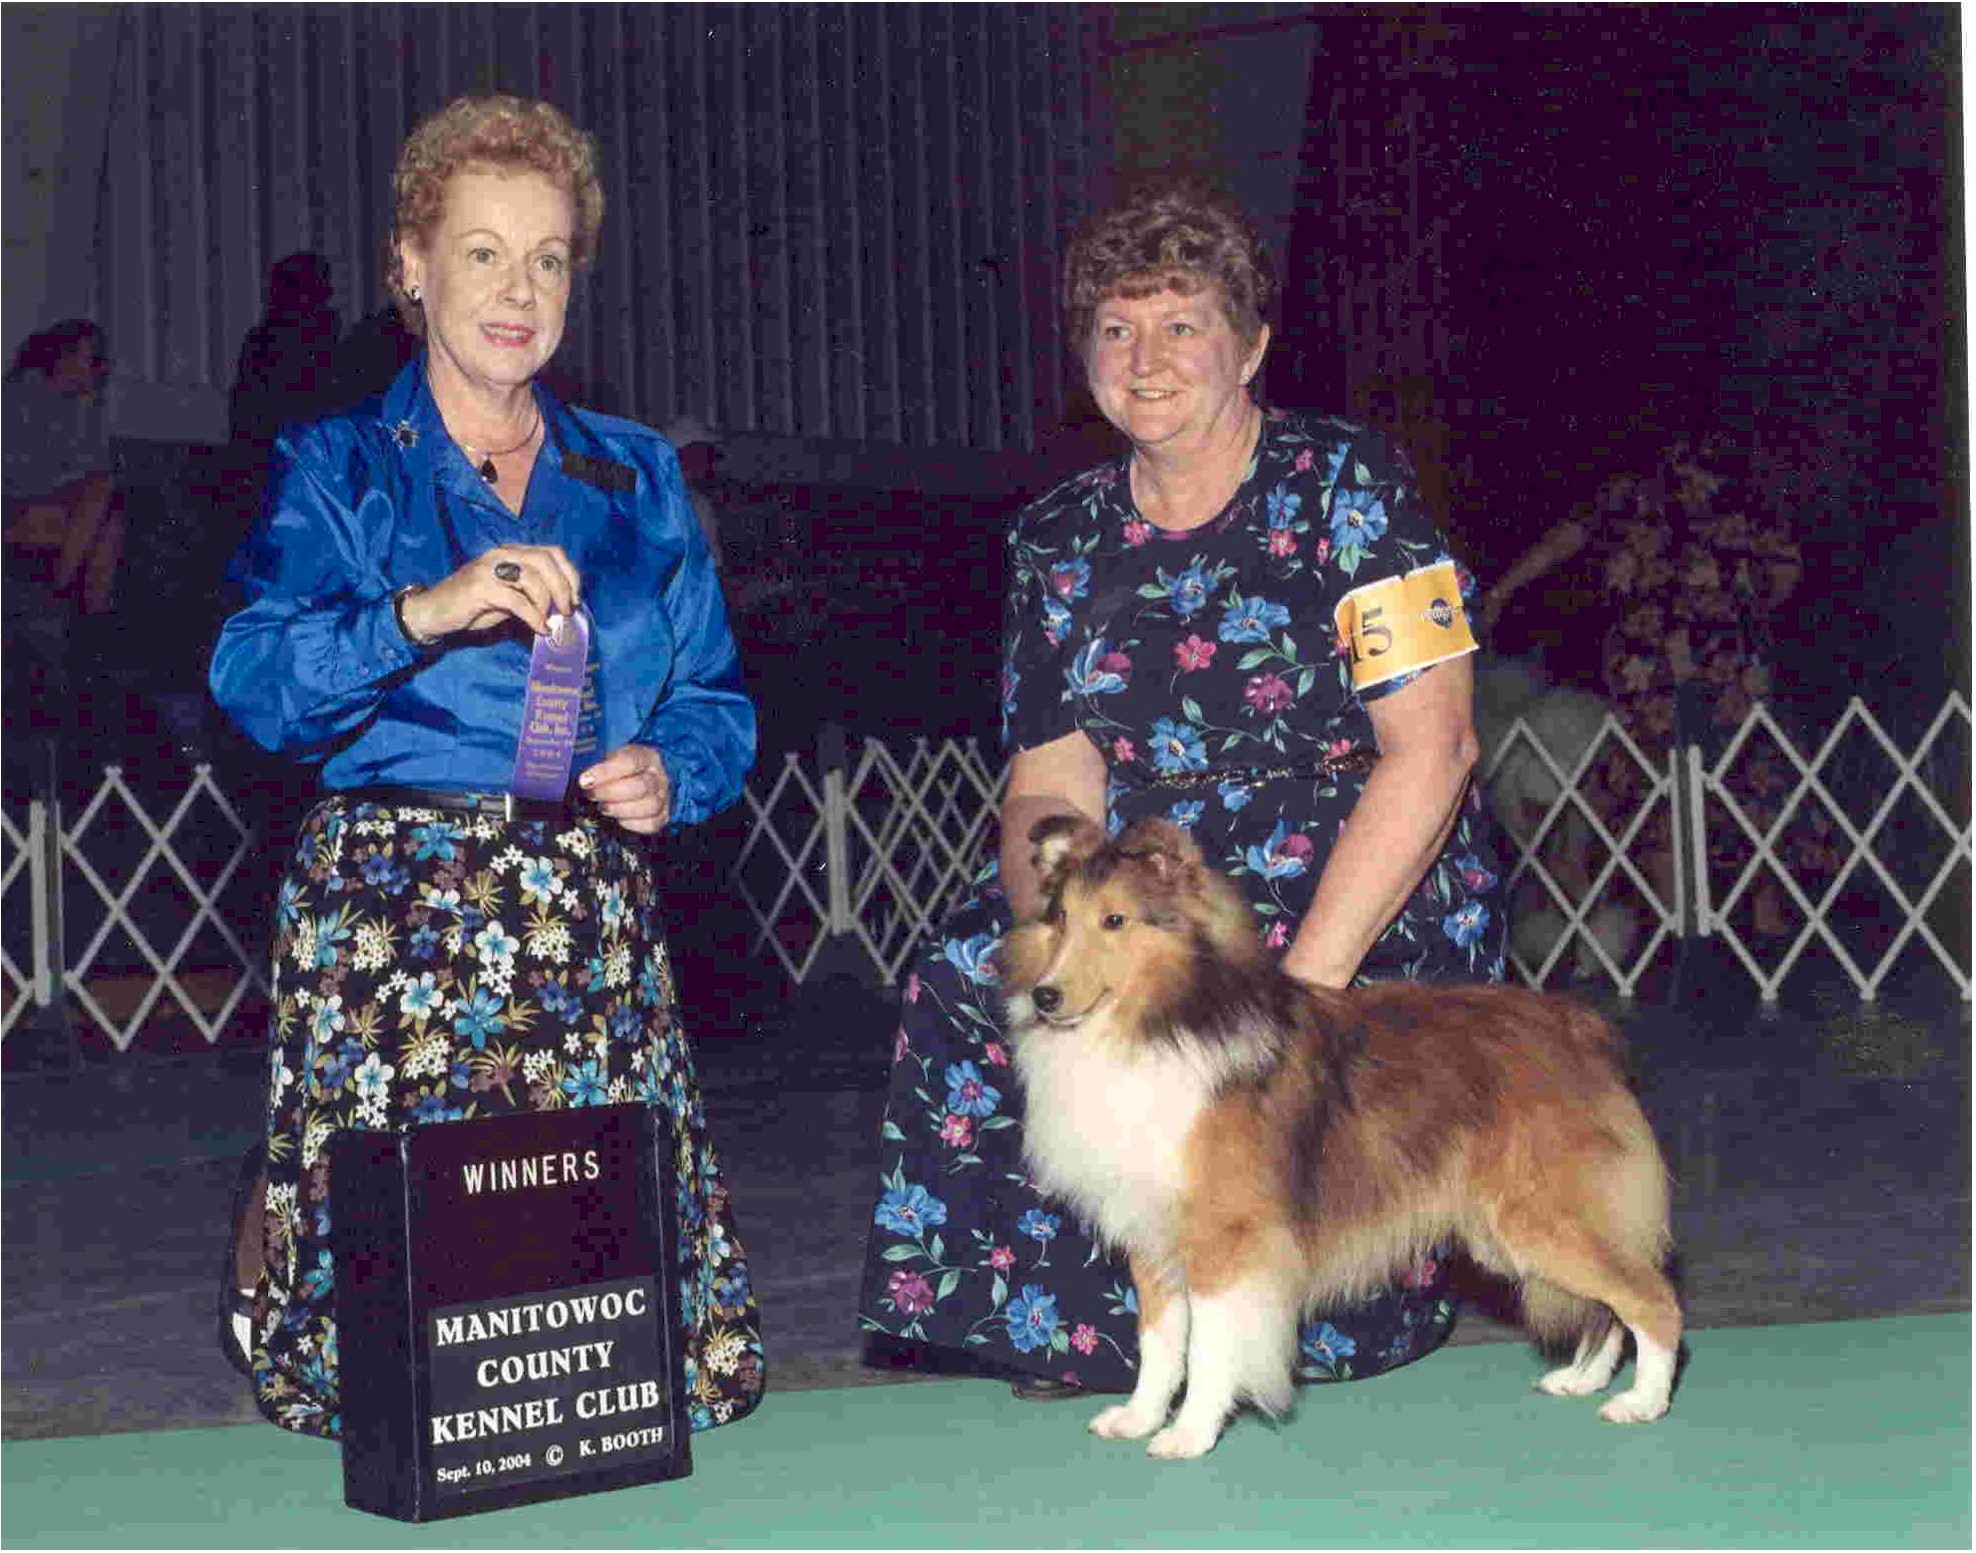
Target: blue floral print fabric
x,y
1214,653
431,967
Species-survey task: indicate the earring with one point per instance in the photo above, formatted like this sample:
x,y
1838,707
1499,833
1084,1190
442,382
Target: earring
x,y
412,293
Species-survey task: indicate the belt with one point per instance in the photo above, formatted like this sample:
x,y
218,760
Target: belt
x,y
500,806
1361,758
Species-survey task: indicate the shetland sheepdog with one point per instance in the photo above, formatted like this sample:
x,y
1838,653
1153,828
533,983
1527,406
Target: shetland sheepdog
x,y
1261,1149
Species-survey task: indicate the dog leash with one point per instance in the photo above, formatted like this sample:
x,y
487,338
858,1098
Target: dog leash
x,y
1359,759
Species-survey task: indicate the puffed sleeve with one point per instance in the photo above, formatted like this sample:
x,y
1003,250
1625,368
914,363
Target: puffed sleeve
x,y
1406,602
704,724
1039,628
317,645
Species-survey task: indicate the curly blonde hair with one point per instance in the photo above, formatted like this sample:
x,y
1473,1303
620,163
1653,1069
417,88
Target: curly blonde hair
x,y
488,132
1171,233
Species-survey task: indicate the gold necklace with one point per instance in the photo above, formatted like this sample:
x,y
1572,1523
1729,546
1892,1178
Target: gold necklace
x,y
485,468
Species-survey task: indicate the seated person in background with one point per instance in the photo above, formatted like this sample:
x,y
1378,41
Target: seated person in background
x,y
65,522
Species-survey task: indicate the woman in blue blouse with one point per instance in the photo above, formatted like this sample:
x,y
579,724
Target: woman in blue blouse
x,y
445,948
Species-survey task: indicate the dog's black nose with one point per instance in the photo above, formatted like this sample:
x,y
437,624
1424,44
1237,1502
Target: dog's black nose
x,y
1046,999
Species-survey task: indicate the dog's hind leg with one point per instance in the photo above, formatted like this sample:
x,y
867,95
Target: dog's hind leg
x,y
1636,1292
1592,1368
1163,1326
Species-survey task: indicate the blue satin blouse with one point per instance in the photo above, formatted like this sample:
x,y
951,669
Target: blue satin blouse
x,y
364,502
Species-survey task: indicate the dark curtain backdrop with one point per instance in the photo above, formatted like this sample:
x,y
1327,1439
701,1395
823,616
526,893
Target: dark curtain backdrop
x,y
1543,243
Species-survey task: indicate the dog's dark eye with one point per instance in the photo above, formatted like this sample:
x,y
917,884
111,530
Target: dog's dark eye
x,y
1114,920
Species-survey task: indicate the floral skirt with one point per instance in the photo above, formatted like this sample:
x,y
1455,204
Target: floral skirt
x,y
966,1256
434,967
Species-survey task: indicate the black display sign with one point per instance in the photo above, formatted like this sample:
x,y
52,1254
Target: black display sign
x,y
507,1305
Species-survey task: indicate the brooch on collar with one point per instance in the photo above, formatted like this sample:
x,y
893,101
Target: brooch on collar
x,y
406,433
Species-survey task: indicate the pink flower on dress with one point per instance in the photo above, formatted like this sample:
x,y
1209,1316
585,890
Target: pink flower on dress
x,y
1123,750
900,1045
1279,934
910,1292
1422,1274
1323,550
1084,1338
912,988
1282,542
956,1131
1001,1259
1137,532
1193,654
1268,693
1305,458
994,1052
1338,747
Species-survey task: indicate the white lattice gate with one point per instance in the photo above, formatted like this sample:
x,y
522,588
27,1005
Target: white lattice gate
x,y
1851,847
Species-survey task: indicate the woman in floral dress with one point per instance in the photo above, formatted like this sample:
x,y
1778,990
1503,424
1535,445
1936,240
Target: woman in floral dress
x,y
446,950
1245,625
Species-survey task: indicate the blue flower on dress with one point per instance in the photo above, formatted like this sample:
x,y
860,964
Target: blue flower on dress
x,y
1177,746
1281,504
1056,622
431,1108
436,840
909,1210
377,868
1251,620
559,1000
329,933
968,1094
1234,795
1032,1319
1286,855
1011,679
1185,814
1466,922
320,1279
287,905
585,1086
539,881
421,997
1358,519
1070,579
1098,671
1188,592
1475,875
480,1018
972,957
425,941
1327,1345
1040,1226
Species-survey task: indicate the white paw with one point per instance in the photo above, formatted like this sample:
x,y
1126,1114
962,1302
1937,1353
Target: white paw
x,y
1572,1382
1632,1407
1121,1423
1182,1442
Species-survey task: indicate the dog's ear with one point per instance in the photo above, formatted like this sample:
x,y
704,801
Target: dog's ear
x,y
1062,841
1163,846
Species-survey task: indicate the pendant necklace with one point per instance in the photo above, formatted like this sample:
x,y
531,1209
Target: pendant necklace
x,y
485,468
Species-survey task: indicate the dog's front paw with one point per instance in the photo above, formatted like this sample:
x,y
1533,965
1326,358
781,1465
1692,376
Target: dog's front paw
x,y
1633,1407
1123,1423
1182,1442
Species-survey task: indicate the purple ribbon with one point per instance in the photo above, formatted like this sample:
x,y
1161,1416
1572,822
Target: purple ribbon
x,y
552,710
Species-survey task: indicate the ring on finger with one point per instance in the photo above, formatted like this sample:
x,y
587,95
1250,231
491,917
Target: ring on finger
x,y
507,571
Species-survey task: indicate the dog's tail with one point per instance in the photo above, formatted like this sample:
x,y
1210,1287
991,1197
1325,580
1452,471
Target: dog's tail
x,y
1560,1319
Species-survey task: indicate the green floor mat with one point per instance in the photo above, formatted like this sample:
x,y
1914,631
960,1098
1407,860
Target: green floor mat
x,y
1842,1434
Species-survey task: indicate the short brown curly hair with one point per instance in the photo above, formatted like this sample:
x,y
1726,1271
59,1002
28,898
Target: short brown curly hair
x,y
1171,233
488,132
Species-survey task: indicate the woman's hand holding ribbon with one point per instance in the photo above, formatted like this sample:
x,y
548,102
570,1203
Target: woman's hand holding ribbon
x,y
528,583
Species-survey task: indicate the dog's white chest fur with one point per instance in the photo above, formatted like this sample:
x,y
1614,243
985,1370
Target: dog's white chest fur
x,y
1103,1129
